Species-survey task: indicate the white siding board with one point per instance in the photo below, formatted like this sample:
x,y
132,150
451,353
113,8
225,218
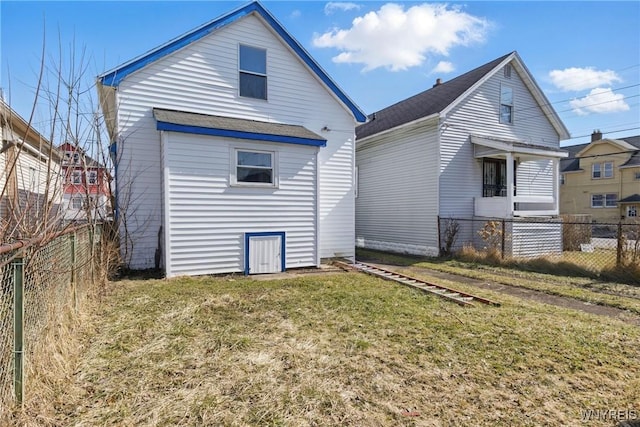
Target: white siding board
x,y
397,203
203,78
208,218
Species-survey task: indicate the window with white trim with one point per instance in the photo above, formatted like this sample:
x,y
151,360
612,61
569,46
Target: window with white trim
x,y
92,177
254,167
609,200
76,177
562,179
252,72
632,211
636,176
506,104
76,203
602,170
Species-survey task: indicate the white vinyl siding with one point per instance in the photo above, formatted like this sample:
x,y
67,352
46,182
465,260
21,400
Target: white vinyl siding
x,y
397,204
203,78
207,217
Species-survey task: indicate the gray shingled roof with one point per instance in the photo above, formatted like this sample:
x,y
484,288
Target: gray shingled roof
x,y
572,164
635,198
232,124
426,103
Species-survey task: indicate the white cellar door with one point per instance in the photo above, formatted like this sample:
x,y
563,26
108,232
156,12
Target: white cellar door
x,y
265,254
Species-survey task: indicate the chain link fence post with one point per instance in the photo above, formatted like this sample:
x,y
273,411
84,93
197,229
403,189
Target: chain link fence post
x,y
72,241
18,329
620,245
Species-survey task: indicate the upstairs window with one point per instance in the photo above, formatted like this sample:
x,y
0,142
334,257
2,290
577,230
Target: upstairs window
x,y
76,177
637,176
253,72
506,104
602,170
92,177
255,167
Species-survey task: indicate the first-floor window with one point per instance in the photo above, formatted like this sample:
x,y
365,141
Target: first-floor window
x,y
255,167
632,211
76,203
597,201
609,200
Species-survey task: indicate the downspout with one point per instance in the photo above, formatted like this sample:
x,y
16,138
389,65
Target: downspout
x,y
317,234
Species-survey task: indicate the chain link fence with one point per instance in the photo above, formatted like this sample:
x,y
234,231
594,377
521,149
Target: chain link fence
x,y
570,244
41,284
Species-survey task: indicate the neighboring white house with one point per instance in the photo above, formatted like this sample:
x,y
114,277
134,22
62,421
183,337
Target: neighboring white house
x,y
460,150
30,178
234,151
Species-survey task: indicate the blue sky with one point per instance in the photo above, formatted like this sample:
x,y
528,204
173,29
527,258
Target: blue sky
x,y
584,55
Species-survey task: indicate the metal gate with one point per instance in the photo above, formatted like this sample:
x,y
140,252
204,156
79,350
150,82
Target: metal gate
x,y
264,252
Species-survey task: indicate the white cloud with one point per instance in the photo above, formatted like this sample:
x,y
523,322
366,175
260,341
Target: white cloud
x,y
332,6
443,67
599,100
582,78
295,14
397,39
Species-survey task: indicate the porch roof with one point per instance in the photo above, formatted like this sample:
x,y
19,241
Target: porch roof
x,y
206,124
494,147
634,198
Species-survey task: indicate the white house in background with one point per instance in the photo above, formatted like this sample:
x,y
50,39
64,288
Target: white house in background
x,y
235,151
30,177
460,150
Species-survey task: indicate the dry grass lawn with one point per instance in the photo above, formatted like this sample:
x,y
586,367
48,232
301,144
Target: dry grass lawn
x,y
341,349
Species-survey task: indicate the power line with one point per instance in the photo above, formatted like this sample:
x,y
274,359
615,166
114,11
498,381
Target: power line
x,y
604,133
549,104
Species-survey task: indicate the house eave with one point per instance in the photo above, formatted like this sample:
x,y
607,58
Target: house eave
x,y
115,76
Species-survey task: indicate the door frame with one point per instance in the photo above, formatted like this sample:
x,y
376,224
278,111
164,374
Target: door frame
x,y
247,238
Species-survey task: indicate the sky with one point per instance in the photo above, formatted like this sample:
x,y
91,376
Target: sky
x,y
585,55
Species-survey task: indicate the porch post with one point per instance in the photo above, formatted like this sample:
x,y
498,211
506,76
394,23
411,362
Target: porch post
x,y
510,181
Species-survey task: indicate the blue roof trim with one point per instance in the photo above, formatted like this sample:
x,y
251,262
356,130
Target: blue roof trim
x,y
240,134
113,78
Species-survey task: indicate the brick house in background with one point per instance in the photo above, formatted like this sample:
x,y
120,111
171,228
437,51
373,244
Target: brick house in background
x,y
86,185
602,179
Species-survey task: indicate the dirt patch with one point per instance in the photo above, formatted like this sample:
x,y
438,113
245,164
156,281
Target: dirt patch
x,y
528,294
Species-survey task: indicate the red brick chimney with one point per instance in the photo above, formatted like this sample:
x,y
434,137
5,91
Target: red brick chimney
x,y
596,135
